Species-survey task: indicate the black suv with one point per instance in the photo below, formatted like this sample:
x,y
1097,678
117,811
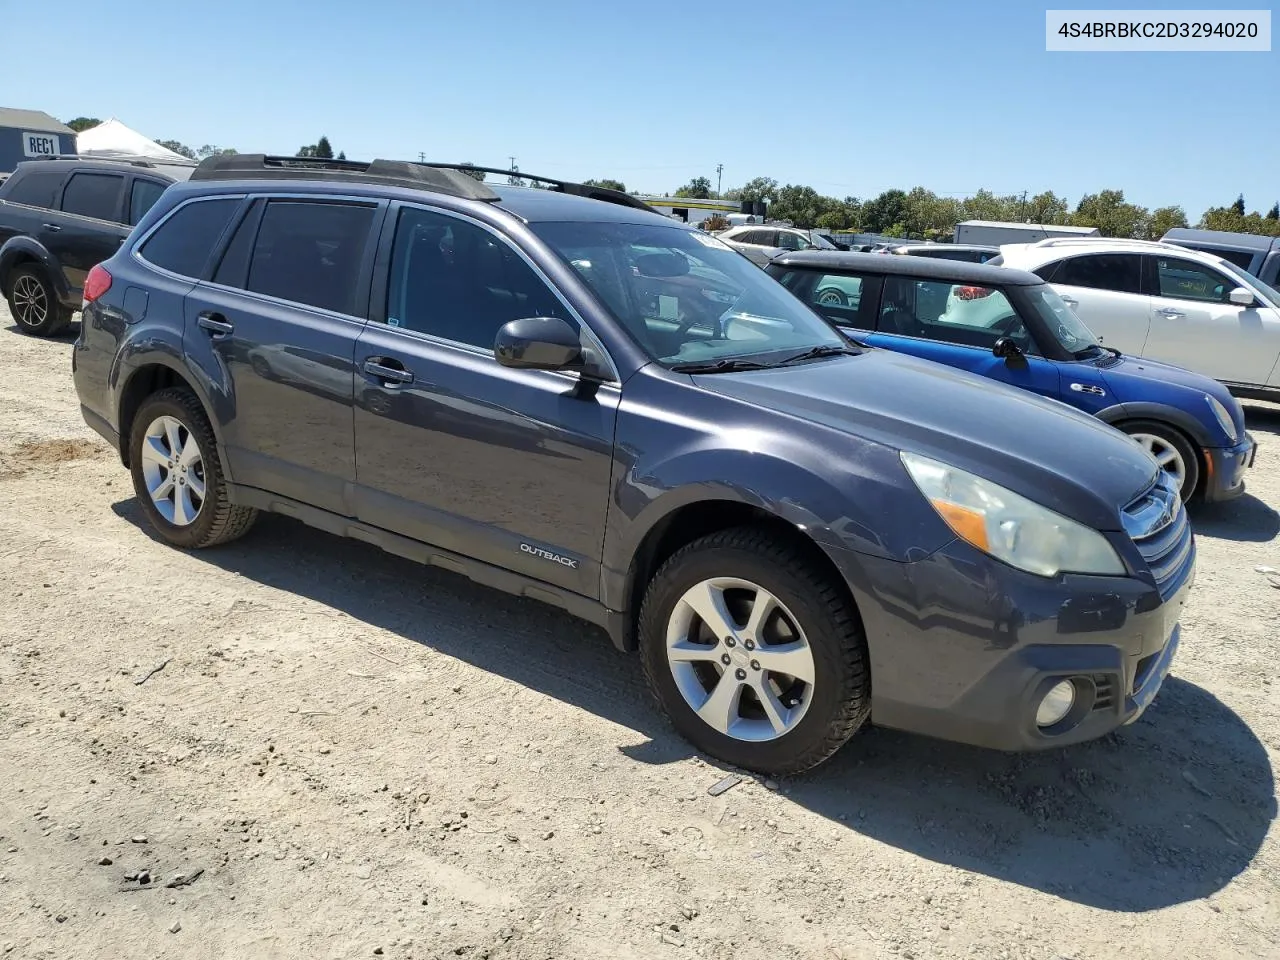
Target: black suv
x,y
585,403
59,217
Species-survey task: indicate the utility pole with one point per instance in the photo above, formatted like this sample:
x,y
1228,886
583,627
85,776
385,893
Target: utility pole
x,y
719,170
1023,208
422,157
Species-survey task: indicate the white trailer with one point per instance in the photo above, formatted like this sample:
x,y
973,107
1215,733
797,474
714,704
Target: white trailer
x,y
993,233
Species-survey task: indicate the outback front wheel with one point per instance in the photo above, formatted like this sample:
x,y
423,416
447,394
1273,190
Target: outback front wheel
x,y
755,652
176,474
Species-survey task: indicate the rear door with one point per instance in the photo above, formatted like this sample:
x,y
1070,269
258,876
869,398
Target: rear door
x,y
510,467
90,226
1106,291
274,328
963,333
1194,324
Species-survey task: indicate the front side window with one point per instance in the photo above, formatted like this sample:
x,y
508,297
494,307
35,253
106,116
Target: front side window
x,y
1118,272
94,195
685,297
143,197
455,280
35,188
1187,280
311,253
182,244
968,315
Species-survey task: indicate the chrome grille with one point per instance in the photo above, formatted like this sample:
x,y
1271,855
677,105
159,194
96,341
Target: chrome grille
x,y
1157,523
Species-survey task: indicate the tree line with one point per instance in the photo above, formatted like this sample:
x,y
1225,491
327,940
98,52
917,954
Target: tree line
x,y
922,214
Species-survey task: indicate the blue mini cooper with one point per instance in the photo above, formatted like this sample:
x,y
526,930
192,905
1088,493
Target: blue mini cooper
x,y
1011,326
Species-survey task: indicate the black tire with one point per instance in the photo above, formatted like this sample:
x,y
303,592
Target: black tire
x,y
217,520
842,683
830,296
34,302
1187,450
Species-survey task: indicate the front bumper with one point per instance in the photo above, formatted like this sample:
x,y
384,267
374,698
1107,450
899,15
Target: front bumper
x,y
964,648
1225,469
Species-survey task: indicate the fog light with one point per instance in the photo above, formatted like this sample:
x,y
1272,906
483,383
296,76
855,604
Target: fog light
x,y
1057,703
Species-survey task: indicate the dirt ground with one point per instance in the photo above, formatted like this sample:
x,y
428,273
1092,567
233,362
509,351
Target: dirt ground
x,y
343,754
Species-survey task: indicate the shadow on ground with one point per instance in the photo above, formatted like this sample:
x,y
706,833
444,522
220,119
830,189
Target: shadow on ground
x,y
1168,810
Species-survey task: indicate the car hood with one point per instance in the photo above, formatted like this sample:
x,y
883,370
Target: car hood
x,y
1044,450
1139,380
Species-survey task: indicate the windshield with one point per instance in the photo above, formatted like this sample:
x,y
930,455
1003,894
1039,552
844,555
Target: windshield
x,y
686,297
1247,279
1063,325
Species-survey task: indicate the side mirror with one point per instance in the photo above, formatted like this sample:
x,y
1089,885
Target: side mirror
x,y
1006,349
537,343
1242,297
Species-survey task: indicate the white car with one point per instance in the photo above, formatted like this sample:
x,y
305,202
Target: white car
x,y
760,242
1157,300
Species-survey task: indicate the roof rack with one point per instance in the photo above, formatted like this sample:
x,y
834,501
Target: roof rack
x,y
559,186
1073,241
395,173
132,161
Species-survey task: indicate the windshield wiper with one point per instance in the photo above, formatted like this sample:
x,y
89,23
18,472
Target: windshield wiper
x,y
723,365
823,350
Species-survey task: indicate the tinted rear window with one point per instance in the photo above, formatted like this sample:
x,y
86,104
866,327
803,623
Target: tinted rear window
x,y
145,194
95,195
35,188
1118,272
184,241
310,253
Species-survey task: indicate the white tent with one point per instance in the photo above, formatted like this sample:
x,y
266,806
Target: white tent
x,y
113,139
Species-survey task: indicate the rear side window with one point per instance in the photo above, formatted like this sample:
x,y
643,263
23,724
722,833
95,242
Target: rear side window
x,y
35,188
94,195
311,252
1118,272
183,243
836,296
143,197
1241,258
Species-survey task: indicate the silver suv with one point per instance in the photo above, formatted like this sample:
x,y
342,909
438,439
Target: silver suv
x,y
760,243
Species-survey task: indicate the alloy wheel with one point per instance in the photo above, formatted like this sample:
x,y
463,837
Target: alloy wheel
x,y
173,469
1166,455
740,659
30,303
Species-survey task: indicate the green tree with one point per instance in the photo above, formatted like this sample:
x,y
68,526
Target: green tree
x,y
1048,208
342,154
1108,211
178,147
881,213
699,188
209,150
1238,206
1274,212
1164,219
470,170
81,124
607,184
759,188
323,150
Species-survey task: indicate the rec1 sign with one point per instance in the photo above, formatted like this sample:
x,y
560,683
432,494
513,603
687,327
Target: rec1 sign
x,y
40,144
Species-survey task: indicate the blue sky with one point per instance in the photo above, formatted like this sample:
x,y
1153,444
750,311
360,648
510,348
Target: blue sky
x,y
851,97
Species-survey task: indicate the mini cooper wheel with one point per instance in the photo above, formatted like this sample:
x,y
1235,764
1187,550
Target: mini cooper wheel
x,y
176,474
755,652
34,303
1175,454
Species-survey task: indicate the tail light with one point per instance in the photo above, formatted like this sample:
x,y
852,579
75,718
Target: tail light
x,y
96,283
972,293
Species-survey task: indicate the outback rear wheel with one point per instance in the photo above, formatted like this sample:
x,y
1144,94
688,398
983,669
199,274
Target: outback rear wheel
x,y
34,303
176,474
830,296
755,652
1176,455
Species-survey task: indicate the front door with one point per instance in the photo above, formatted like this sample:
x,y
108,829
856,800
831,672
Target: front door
x,y
278,323
91,226
510,467
1195,325
959,324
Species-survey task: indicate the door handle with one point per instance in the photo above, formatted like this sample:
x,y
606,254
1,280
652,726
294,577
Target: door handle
x,y
389,372
216,324
1071,301
1170,313
51,227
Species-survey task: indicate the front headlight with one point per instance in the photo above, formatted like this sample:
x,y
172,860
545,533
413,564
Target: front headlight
x,y
1009,527
1224,418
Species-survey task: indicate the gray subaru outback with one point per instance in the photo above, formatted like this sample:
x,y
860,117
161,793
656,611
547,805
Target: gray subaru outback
x,y
561,394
